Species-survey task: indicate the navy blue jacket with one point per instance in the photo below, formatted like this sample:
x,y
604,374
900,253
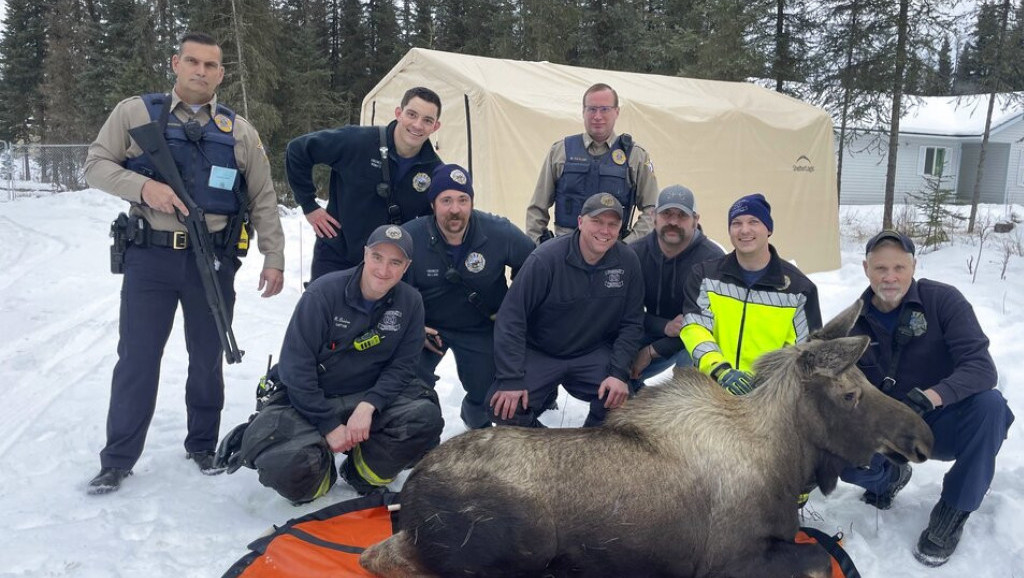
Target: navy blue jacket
x,y
491,244
563,307
318,360
948,350
665,284
353,153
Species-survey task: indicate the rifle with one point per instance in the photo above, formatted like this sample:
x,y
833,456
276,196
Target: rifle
x,y
150,137
626,141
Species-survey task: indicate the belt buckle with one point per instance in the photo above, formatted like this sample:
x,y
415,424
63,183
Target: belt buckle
x,y
179,241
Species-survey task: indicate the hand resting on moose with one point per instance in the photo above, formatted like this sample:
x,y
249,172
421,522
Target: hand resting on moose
x,y
686,480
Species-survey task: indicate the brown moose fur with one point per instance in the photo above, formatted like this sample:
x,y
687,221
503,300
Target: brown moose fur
x,y
685,480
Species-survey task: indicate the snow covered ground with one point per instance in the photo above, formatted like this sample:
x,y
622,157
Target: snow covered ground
x,y
58,335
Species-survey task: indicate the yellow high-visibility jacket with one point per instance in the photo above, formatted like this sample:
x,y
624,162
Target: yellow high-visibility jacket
x,y
725,320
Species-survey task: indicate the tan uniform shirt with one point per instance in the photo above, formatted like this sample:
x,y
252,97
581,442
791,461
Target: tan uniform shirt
x,y
112,146
640,165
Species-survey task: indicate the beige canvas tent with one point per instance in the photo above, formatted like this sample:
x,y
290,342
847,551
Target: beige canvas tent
x,y
722,139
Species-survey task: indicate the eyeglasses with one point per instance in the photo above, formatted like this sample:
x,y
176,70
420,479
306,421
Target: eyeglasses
x,y
592,110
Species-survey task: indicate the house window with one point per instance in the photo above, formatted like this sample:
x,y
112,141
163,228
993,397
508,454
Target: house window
x,y
935,161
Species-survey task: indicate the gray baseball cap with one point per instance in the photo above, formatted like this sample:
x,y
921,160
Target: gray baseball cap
x,y
600,203
391,234
677,197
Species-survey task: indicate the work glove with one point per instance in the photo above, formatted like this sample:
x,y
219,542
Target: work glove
x,y
918,401
734,381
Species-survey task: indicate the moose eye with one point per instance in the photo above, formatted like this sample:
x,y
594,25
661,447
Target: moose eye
x,y
850,397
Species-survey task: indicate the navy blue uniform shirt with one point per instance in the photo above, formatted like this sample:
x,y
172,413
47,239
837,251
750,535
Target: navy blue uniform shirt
x,y
947,349
491,243
665,283
318,360
566,308
353,153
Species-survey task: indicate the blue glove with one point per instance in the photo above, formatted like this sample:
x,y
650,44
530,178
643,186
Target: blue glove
x,y
919,402
734,381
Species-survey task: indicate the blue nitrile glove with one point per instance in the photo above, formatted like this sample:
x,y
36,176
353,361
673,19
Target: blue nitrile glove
x,y
734,381
919,402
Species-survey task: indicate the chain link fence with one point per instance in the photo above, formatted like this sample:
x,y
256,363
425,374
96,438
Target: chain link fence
x,y
37,169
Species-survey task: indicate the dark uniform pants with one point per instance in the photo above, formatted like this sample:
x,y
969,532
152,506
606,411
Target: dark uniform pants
x,y
580,376
969,433
680,359
329,256
400,435
155,281
474,359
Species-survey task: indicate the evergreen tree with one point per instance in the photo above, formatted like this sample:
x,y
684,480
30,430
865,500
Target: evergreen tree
x,y
350,79
789,45
726,45
67,118
975,65
384,48
137,55
23,49
249,38
551,30
423,32
932,204
610,34
939,81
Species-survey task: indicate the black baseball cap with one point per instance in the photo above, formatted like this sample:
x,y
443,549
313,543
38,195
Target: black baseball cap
x,y
904,241
391,234
601,203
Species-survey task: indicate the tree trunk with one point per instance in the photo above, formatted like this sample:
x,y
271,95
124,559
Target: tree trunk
x,y
894,125
780,43
241,64
845,111
995,83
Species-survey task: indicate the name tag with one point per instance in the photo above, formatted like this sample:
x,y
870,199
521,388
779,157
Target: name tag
x,y
222,178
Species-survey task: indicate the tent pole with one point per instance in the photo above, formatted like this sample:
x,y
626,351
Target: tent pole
x,y
469,134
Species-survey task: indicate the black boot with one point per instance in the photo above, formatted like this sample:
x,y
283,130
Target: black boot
x,y
206,462
899,475
939,540
348,472
108,480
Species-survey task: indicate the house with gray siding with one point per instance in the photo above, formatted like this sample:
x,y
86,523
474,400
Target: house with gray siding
x,y
941,134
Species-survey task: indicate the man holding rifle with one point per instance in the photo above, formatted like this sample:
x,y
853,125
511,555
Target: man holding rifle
x,y
226,173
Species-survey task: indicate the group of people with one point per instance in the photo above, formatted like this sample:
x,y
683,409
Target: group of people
x,y
405,269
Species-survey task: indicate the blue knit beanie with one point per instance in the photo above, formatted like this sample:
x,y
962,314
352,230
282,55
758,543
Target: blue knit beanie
x,y
755,205
448,178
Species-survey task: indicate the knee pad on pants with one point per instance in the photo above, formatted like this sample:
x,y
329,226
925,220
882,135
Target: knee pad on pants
x,y
299,474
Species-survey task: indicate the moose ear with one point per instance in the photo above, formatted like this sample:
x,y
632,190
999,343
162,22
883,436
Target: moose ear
x,y
841,324
832,357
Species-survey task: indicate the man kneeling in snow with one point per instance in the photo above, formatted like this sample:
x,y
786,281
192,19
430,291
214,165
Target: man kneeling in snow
x,y
928,351
348,367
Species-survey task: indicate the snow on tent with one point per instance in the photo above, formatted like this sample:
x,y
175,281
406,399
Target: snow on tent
x,y
722,139
328,542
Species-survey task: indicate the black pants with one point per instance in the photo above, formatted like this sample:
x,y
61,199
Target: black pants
x,y
400,435
155,281
329,256
474,358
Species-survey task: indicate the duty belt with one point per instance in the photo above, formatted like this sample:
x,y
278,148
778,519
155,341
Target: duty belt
x,y
179,240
